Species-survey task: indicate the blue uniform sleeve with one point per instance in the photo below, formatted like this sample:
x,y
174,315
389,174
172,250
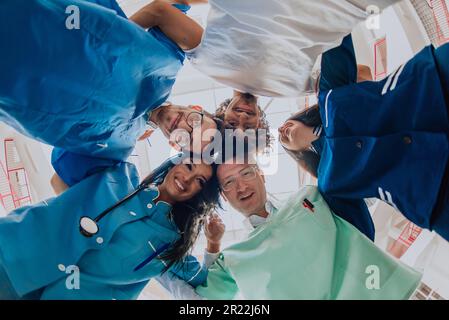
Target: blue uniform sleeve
x,y
339,66
441,58
354,211
130,291
110,4
160,36
72,167
191,272
155,32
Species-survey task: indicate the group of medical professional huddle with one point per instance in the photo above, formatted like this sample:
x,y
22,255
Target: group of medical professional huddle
x,y
92,92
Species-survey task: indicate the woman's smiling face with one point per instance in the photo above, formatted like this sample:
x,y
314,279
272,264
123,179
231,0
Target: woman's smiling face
x,y
294,135
184,181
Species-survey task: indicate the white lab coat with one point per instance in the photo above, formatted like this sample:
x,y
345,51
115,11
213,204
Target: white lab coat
x,y
269,47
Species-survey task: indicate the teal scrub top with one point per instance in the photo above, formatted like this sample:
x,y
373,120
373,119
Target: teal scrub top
x,y
39,243
305,255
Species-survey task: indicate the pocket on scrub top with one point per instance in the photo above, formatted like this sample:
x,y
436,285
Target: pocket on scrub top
x,y
322,215
144,258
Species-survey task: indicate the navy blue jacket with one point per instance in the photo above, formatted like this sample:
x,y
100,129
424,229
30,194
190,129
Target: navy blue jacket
x,y
386,139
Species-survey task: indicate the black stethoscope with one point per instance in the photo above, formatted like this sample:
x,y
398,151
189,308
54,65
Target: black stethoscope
x,y
89,227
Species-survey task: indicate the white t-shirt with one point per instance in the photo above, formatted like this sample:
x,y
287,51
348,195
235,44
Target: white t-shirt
x,y
269,47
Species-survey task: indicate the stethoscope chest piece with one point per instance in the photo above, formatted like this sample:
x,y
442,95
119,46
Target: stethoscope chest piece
x,y
88,227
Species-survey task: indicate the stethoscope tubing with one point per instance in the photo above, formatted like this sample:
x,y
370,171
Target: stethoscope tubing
x,y
156,174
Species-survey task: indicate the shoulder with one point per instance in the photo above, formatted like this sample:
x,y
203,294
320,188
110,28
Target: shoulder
x,y
123,171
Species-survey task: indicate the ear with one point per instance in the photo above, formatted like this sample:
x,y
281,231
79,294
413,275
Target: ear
x,y
223,196
261,175
197,108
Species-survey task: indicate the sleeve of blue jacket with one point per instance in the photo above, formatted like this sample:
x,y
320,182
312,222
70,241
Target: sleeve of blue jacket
x,y
72,167
110,4
354,211
339,66
158,34
192,272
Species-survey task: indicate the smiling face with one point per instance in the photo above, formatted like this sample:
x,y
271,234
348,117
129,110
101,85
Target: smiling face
x,y
184,181
243,112
170,118
295,136
247,196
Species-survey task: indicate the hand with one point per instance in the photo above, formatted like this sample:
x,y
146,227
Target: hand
x,y
214,231
364,73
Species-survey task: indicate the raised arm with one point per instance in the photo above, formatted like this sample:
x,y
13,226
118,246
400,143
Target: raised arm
x,y
178,289
176,25
214,230
219,285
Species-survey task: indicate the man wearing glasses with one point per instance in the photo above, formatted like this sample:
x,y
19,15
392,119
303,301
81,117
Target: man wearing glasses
x,y
297,250
243,186
175,122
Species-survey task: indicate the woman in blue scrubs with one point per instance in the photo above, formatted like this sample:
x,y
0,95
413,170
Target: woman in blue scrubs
x,y
41,246
386,139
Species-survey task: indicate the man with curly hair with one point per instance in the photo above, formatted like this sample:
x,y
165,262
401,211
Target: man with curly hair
x,y
243,112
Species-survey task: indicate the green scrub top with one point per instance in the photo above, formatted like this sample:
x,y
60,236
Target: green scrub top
x,y
300,254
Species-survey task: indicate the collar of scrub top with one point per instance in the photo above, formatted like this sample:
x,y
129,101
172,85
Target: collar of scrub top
x,y
163,207
254,221
153,192
317,145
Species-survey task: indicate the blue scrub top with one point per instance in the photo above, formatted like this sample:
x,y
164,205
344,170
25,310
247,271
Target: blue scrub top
x,y
381,139
339,68
73,167
86,91
39,243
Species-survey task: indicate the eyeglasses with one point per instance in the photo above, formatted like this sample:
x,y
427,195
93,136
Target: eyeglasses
x,y
194,119
247,174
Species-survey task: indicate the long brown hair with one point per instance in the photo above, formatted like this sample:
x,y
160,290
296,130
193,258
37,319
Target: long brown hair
x,y
189,217
307,159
